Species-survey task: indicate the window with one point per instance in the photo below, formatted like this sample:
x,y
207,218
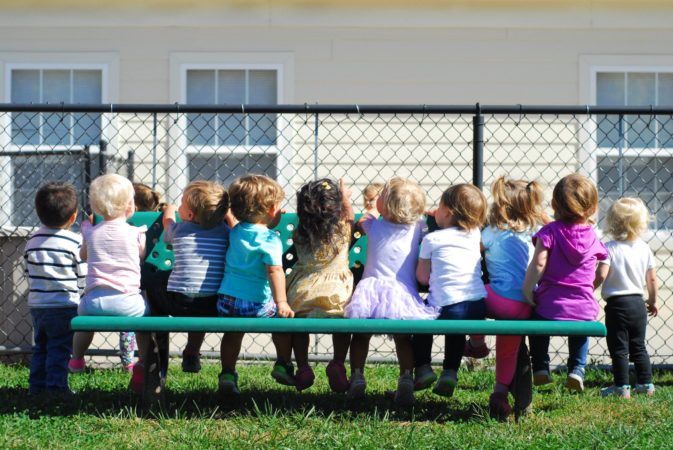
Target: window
x,y
55,86
635,152
37,147
208,133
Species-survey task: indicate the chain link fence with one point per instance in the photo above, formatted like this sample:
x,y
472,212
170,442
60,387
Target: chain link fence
x,y
626,151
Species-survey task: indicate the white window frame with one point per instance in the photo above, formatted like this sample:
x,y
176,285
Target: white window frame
x,y
179,148
590,66
107,63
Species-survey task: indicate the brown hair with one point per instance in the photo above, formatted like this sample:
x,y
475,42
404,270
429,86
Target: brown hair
x,y
517,205
575,199
208,201
467,205
252,196
55,203
404,200
145,198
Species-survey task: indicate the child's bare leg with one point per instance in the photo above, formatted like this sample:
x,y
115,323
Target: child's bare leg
x,y
80,343
229,351
300,343
405,352
194,342
359,350
341,342
283,344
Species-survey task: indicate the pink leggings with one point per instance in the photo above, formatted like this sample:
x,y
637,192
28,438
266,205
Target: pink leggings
x,y
506,347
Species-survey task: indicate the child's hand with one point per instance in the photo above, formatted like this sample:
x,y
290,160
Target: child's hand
x,y
345,192
431,212
652,309
284,310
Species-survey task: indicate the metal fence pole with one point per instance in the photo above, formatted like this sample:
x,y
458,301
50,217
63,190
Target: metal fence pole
x,y
315,147
130,165
154,150
102,157
478,149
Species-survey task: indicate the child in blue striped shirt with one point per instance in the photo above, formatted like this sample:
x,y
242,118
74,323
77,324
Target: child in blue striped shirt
x,y
200,243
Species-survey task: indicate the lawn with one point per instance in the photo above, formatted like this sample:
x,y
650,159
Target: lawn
x,y
103,415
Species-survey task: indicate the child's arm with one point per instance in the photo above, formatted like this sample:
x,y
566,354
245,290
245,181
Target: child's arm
x,y
348,213
535,270
652,290
142,244
230,219
276,278
601,273
423,271
168,217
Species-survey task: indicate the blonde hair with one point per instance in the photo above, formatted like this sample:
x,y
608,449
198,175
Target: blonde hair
x,y
575,199
372,189
404,200
467,205
208,201
145,198
110,195
627,219
517,205
252,196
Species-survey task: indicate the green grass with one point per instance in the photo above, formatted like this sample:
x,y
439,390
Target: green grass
x,y
104,415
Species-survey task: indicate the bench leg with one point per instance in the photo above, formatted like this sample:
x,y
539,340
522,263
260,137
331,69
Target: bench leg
x,y
153,390
522,384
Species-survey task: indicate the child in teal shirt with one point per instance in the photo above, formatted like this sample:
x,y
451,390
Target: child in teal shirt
x,y
254,281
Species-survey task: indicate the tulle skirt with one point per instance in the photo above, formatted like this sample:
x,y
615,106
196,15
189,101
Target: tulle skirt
x,y
387,299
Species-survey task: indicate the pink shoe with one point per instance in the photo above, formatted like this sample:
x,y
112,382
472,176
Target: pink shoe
x,y
129,368
304,378
76,365
480,351
137,382
336,375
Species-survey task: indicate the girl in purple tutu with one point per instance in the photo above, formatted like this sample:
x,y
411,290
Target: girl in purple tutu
x,y
388,287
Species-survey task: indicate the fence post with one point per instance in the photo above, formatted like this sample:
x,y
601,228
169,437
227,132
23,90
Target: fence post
x,y
87,177
154,150
315,147
102,157
130,165
478,149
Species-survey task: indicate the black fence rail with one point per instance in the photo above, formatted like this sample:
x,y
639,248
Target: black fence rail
x,y
624,150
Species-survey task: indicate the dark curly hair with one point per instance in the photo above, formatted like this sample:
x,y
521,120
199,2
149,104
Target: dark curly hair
x,y
321,217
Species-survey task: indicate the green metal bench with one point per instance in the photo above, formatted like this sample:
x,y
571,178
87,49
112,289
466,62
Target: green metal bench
x,y
522,387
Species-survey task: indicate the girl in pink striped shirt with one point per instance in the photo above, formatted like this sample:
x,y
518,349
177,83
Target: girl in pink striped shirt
x,y
113,250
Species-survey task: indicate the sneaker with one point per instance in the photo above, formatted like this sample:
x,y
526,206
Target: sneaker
x,y
575,382
191,363
336,375
358,385
477,352
404,396
647,389
446,383
76,365
304,378
617,391
137,382
424,377
283,373
227,383
498,406
541,377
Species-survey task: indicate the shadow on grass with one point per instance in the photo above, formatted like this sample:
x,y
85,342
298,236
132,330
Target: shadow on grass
x,y
208,404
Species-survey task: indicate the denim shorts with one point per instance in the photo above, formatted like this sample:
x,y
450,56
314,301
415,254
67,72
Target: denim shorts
x,y
228,306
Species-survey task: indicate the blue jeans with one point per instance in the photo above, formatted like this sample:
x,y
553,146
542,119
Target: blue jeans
x,y
52,349
454,344
578,349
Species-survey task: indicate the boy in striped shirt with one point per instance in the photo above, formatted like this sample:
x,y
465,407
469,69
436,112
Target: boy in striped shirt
x,y
199,243
55,278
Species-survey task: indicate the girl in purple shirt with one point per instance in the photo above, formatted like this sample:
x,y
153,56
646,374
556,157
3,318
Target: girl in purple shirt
x,y
559,279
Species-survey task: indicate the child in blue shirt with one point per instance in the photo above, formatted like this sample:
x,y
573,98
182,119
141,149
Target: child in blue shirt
x,y
55,277
254,281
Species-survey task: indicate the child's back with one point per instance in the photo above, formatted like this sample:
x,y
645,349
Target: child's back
x,y
565,290
629,262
